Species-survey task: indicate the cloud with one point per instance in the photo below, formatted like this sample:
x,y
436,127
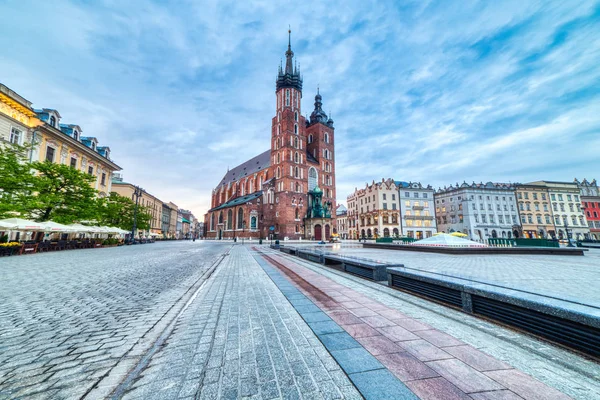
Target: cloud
x,y
436,92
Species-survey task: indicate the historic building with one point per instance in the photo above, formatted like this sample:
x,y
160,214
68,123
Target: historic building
x,y
417,210
479,210
342,221
289,190
535,211
374,211
153,205
566,209
46,139
590,199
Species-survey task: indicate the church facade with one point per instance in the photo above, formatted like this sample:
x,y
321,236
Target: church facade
x,y
289,190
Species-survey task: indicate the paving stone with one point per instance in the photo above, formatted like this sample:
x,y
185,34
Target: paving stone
x,y
424,350
381,384
436,389
406,367
525,386
325,327
339,341
356,360
463,376
475,358
378,345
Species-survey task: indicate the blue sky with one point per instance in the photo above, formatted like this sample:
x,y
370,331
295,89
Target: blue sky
x,y
430,91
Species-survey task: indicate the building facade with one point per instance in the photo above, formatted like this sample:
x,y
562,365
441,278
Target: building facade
x,y
417,210
590,199
535,211
481,211
374,210
153,205
567,209
41,132
342,221
269,195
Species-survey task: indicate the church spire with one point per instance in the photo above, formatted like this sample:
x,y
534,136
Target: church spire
x,y
289,54
290,76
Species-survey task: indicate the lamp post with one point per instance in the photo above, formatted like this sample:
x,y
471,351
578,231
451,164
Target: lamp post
x,y
137,192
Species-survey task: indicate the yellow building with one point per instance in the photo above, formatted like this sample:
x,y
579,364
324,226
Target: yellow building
x,y
535,211
152,203
47,139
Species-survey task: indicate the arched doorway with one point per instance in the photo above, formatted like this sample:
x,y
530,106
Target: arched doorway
x,y
386,232
516,234
327,232
369,234
318,235
220,234
396,232
362,233
494,234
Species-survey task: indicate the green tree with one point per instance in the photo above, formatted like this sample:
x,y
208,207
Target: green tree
x,y
16,179
117,210
62,194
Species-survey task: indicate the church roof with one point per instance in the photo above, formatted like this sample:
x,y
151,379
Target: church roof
x,y
239,200
253,165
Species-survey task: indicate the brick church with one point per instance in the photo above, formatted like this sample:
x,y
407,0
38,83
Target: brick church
x,y
287,191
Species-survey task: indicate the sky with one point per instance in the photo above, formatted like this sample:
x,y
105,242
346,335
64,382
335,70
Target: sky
x,y
438,92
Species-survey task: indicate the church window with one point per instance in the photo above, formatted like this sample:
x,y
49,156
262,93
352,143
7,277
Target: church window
x,y
278,172
253,223
297,172
278,129
296,116
310,138
278,158
221,217
279,116
312,178
296,143
287,97
296,158
326,138
298,187
296,129
291,171
240,218
297,216
212,222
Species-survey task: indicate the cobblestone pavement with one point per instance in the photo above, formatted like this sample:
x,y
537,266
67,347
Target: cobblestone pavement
x,y
572,278
561,369
241,338
67,318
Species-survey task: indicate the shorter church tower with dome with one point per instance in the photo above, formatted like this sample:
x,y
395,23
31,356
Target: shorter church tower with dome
x,y
289,190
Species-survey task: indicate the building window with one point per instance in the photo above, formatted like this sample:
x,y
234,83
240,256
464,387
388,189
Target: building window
x,y
296,116
296,129
312,178
103,180
15,135
49,154
252,222
73,162
229,219
75,135
53,121
326,138
240,219
287,97
91,170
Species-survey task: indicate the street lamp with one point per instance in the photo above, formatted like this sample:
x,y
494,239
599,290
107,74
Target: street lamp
x,y
137,192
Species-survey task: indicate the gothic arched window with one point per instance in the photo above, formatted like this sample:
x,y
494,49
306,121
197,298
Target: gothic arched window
x,y
229,219
212,222
296,129
221,217
240,218
312,178
296,158
296,172
296,142
310,138
278,158
326,138
287,97
296,116
297,214
278,172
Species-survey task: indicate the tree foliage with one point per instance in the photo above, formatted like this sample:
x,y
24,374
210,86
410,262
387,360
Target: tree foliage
x,y
16,180
117,210
62,194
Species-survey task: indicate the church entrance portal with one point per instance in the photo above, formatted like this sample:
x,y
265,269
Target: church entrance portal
x,y
327,232
318,235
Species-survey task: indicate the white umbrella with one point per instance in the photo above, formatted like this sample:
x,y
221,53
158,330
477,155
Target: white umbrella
x,y
19,224
6,225
52,226
81,228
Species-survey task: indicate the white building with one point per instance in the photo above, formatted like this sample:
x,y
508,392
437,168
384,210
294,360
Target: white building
x,y
417,210
481,211
374,211
342,221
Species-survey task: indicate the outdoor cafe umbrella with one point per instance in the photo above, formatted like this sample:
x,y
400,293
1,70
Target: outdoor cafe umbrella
x,y
81,228
52,226
19,224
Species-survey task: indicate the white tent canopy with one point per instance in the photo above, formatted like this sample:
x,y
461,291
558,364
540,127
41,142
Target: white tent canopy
x,y
447,241
19,224
56,227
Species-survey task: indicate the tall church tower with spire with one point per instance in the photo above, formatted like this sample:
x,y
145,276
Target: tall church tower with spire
x,y
289,190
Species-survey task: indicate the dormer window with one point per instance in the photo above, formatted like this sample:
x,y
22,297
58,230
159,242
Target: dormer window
x,y
53,121
93,146
75,135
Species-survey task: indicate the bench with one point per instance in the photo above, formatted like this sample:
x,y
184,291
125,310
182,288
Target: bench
x,y
364,268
